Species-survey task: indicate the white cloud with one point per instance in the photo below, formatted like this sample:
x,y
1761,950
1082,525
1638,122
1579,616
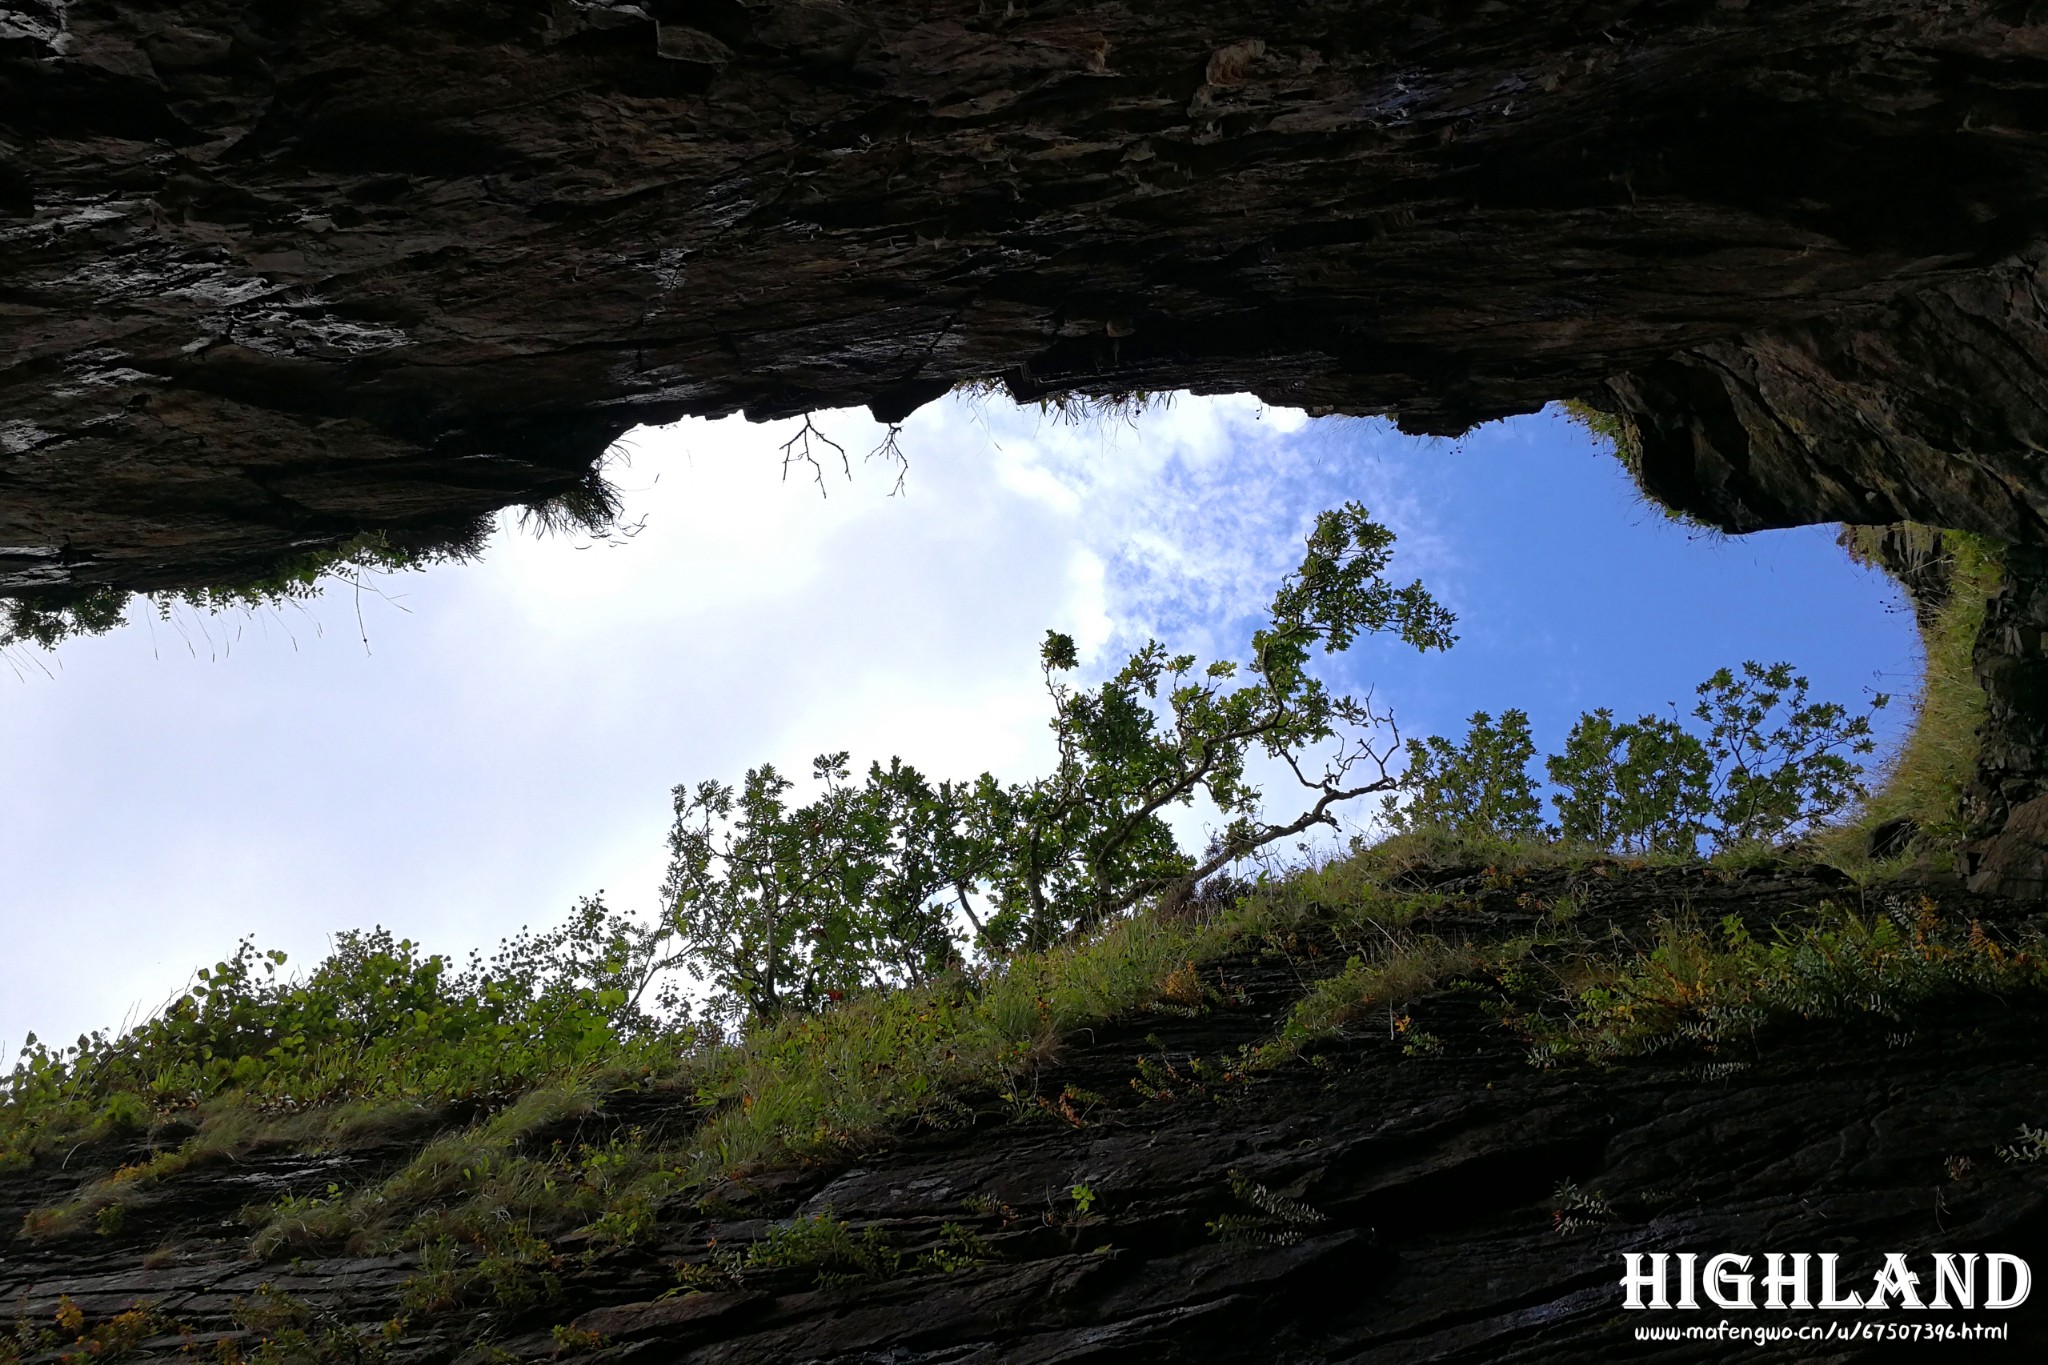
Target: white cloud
x,y
509,740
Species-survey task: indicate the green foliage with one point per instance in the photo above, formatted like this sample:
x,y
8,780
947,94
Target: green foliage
x,y
378,1019
829,1084
1480,788
958,1248
1611,427
827,1245
483,1202
815,1242
1573,1209
46,619
1702,990
1766,762
2029,1150
784,908
1088,842
49,619
289,1332
512,1267
71,1338
1925,780
1780,762
1408,967
1265,1218
1639,787
575,1341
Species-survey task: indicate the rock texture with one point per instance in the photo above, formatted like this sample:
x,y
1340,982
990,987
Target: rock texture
x,y
1454,1205
2011,664
275,273
1925,408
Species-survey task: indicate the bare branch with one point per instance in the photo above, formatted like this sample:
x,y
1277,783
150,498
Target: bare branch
x,y
890,450
798,449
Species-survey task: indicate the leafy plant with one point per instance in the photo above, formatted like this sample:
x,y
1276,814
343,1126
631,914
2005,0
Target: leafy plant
x,y
1780,761
1700,990
1765,762
958,1248
513,1268
2029,1150
827,1245
290,1332
1480,788
1575,1210
47,618
1408,967
1267,1219
786,908
1639,787
71,1338
378,1019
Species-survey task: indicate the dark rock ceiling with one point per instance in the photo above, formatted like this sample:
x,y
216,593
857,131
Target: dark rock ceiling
x,y
274,273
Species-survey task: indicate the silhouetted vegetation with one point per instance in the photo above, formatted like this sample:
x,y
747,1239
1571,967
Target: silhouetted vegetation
x,y
1923,782
48,618
896,952
1764,763
782,908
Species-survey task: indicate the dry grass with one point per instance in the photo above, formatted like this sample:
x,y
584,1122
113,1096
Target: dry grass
x,y
1925,779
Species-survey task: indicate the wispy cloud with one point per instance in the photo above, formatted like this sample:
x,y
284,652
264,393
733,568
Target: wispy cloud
x,y
509,739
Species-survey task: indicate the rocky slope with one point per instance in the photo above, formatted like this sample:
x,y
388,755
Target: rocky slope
x,y
275,273
1392,1202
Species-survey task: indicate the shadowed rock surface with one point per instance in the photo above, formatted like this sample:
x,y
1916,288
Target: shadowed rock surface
x,y
272,274
1435,1222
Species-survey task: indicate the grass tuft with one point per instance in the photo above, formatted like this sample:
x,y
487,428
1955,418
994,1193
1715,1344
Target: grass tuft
x,y
1925,779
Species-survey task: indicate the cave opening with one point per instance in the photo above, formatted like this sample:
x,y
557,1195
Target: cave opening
x,y
736,611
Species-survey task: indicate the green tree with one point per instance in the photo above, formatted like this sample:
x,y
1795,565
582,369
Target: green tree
x,y
753,887
1089,841
926,855
1480,788
1781,762
783,909
1645,786
1768,763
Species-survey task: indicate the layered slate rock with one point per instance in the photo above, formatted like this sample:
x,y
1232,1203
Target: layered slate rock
x,y
273,274
1448,1203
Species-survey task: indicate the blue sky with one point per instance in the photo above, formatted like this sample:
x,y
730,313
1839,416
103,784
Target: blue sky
x,y
507,740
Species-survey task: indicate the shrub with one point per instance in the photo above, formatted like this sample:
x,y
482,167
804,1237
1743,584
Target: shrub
x,y
1478,789
377,1020
1641,787
784,909
1767,762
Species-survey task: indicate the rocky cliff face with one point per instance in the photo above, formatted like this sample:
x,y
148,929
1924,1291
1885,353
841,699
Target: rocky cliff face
x,y
1385,1202
276,273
